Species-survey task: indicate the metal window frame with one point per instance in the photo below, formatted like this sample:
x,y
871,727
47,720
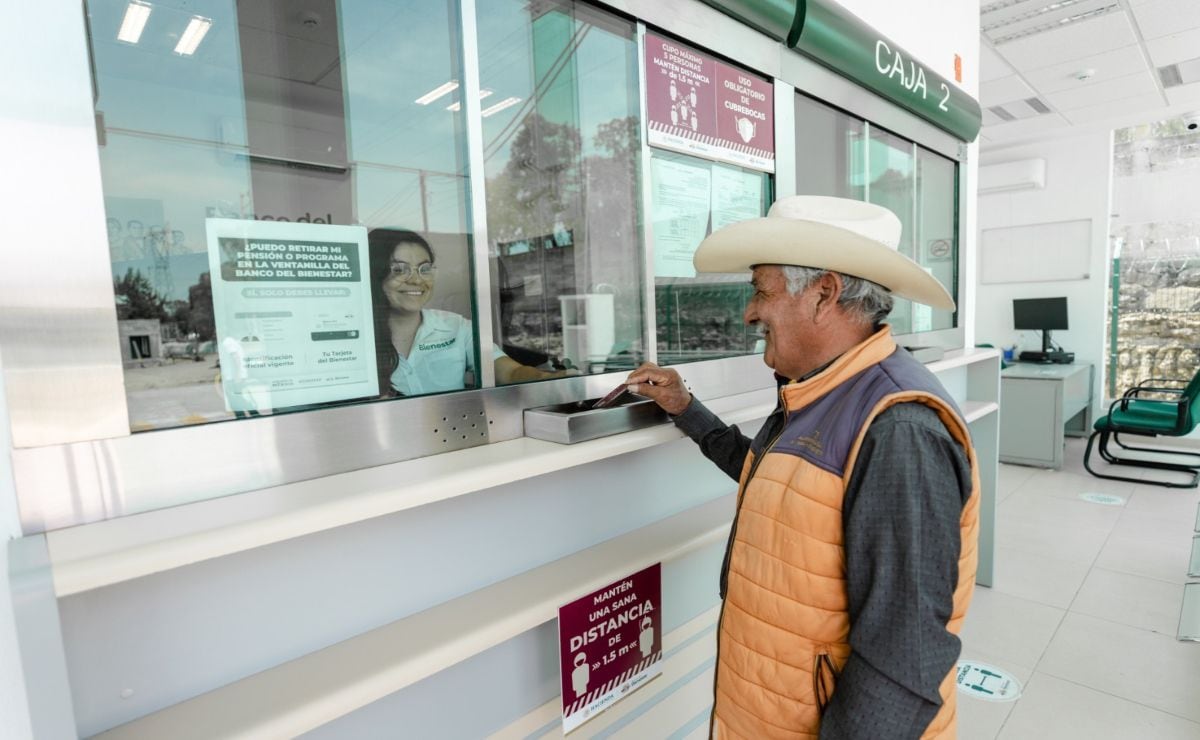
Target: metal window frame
x,y
74,459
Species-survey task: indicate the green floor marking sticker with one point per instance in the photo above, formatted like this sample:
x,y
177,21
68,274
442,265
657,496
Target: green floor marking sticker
x,y
987,682
1102,498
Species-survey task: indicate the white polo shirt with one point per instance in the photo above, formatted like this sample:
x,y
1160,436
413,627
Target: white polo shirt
x,y
442,353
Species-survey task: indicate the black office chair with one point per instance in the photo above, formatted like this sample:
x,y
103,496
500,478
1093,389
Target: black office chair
x,y
1174,414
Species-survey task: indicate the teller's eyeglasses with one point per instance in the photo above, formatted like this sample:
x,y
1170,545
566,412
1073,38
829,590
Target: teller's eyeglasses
x,y
403,269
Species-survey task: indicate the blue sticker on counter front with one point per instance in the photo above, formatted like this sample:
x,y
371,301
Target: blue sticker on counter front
x,y
987,682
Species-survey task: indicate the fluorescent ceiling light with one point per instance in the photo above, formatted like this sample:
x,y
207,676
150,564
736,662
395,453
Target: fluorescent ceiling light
x,y
493,110
1054,25
1034,13
192,35
482,94
437,92
136,15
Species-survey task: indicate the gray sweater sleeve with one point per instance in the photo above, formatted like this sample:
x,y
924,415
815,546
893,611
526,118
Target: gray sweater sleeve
x,y
901,520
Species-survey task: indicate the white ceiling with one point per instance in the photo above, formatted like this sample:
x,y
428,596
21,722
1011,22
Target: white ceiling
x,y
1090,62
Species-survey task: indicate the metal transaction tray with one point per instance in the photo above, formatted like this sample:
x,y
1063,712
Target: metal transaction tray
x,y
568,423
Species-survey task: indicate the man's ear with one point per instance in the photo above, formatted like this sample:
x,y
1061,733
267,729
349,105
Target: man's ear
x,y
828,289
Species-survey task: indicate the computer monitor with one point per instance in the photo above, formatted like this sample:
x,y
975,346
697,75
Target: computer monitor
x,y
1040,314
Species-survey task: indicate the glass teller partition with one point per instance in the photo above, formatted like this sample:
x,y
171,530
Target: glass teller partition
x,y
379,230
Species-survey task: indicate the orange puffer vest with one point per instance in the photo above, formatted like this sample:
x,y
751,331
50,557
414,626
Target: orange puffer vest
x,y
784,616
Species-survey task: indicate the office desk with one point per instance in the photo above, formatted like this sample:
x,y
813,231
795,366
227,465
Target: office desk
x,y
1037,405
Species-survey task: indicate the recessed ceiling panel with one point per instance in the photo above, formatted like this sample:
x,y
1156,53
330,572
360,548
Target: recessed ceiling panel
x,y
991,65
1004,90
1111,109
1106,66
1075,41
1166,17
1026,128
1185,94
991,119
1174,48
1140,83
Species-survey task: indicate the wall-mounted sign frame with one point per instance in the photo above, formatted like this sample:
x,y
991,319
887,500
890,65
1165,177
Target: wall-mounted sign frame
x,y
610,644
699,105
292,305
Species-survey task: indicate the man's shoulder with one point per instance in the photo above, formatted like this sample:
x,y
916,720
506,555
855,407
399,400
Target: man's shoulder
x,y
913,416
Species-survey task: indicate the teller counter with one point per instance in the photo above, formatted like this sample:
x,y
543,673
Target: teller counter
x,y
340,603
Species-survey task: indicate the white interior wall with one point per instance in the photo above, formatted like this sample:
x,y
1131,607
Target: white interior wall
x,y
1078,179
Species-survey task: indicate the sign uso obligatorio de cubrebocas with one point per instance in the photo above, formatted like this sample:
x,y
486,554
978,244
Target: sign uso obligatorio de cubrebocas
x,y
610,644
292,307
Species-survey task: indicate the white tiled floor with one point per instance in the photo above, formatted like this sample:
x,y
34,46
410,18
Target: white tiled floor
x,y
1084,610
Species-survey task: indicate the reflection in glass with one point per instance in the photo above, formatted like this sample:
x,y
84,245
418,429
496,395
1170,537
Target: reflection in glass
x,y
273,117
829,151
561,164
891,182
699,317
937,231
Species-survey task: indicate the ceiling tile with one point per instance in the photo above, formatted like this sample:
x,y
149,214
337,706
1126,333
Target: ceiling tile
x,y
991,66
1174,48
1165,17
1003,90
1141,83
1116,108
1184,94
1108,66
1026,127
1075,41
991,119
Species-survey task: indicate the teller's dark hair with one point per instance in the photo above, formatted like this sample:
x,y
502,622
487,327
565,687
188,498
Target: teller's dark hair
x,y
381,243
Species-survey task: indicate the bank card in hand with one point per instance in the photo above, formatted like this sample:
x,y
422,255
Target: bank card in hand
x,y
611,397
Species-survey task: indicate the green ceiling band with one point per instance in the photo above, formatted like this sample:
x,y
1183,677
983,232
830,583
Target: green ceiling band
x,y
831,35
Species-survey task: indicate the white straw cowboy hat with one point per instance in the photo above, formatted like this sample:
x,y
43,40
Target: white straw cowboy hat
x,y
837,234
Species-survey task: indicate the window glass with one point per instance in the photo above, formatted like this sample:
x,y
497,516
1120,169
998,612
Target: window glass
x,y
937,233
891,182
829,151
699,316
256,159
561,133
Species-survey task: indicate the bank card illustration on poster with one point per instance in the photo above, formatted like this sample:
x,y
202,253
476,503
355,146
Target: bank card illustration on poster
x,y
292,303
610,644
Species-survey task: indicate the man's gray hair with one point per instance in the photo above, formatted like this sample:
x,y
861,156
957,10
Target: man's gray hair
x,y
871,301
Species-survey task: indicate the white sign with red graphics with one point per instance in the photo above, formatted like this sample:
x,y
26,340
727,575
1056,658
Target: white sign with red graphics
x,y
610,644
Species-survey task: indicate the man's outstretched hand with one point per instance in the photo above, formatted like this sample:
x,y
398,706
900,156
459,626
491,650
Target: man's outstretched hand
x,y
662,385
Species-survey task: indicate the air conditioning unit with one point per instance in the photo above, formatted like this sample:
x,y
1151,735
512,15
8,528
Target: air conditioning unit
x,y
1009,177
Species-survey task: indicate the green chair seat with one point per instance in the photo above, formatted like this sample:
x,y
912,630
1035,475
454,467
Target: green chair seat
x,y
1134,415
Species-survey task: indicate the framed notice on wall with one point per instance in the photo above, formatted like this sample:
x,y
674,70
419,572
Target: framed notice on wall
x,y
610,644
1059,250
292,303
699,105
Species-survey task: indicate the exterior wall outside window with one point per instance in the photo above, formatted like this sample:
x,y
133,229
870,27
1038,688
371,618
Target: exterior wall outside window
x,y
1158,270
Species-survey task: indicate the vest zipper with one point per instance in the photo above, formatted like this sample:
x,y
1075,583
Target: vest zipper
x,y
712,718
823,685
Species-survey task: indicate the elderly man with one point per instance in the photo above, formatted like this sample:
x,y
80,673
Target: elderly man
x,y
852,554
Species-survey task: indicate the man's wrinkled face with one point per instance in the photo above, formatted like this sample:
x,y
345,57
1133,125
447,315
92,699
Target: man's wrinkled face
x,y
785,321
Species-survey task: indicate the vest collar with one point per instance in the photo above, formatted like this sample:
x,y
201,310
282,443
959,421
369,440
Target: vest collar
x,y
871,351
